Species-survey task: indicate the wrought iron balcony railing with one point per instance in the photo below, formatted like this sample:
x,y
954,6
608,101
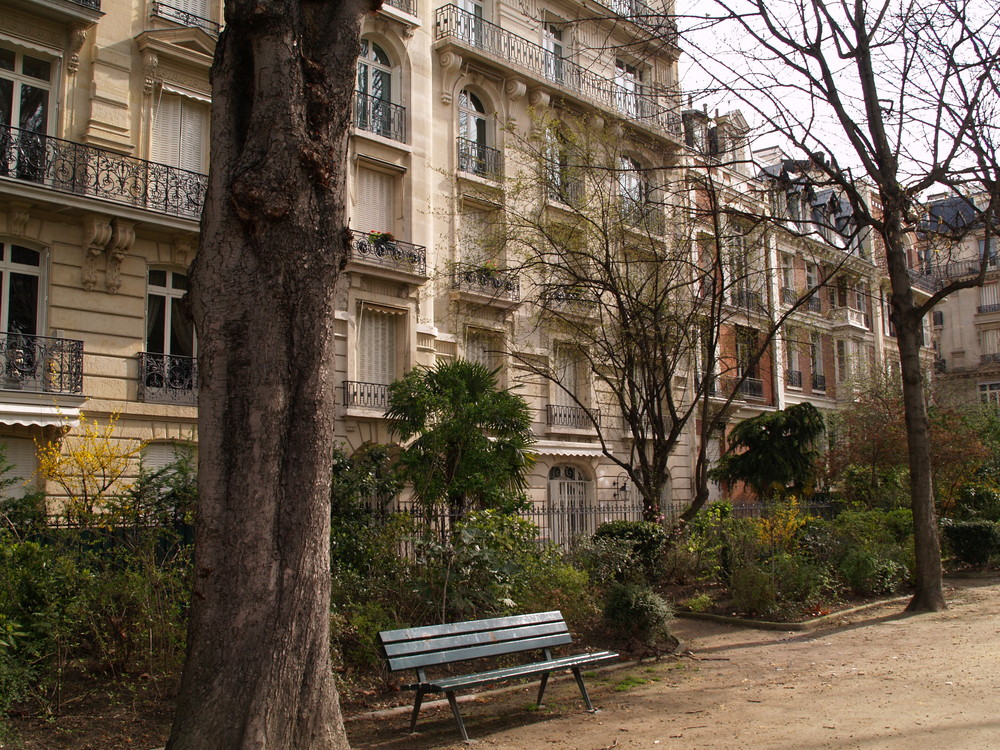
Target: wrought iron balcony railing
x,y
80,169
564,190
489,282
789,296
40,364
746,299
988,308
366,395
637,104
575,417
378,116
92,4
379,250
818,382
924,282
814,303
407,6
184,18
642,15
479,160
958,268
989,359
168,379
747,388
793,378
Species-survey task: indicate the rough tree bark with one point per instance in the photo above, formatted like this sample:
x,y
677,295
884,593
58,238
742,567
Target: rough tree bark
x,y
273,241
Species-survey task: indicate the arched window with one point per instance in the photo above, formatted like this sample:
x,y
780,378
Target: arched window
x,y
375,107
475,137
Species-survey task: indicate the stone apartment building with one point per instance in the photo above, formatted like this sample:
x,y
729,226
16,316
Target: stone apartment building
x,y
103,151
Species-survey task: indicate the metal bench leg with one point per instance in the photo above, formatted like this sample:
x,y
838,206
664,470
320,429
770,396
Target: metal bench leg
x,y
541,688
416,709
458,717
583,690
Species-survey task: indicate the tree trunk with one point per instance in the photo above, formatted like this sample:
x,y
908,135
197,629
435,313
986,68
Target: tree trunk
x,y
929,593
258,672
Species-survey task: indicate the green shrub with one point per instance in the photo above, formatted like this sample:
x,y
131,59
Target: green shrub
x,y
978,501
752,590
973,542
800,581
647,541
636,612
870,571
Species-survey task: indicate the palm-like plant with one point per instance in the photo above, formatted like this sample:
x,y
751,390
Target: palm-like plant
x,y
469,437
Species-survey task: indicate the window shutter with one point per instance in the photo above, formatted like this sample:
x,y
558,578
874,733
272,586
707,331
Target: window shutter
x,y
988,295
566,373
193,132
166,137
374,209
156,456
21,455
377,346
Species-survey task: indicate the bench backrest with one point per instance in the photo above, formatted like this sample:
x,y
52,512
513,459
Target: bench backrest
x,y
416,648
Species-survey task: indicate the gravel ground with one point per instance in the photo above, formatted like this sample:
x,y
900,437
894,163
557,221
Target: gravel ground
x,y
873,679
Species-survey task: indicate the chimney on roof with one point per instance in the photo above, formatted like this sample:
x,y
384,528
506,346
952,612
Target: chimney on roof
x,y
819,158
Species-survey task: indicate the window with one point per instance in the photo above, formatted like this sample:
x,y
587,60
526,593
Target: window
x,y
989,299
20,276
374,202
374,108
566,370
475,137
989,342
168,330
552,42
471,26
167,370
633,190
25,112
746,352
570,498
792,355
484,347
989,393
378,345
818,371
180,133
157,456
787,275
20,454
629,91
562,184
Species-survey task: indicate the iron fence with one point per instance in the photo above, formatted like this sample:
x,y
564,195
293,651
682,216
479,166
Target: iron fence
x,y
482,161
572,416
94,172
366,395
489,282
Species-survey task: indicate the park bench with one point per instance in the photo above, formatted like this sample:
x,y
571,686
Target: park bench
x,y
437,645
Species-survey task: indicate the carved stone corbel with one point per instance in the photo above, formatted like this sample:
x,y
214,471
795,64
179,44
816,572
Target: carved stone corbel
x,y
96,235
77,36
18,215
122,237
150,63
182,250
515,88
539,98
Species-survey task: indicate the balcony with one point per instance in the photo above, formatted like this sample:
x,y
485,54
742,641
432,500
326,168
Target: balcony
x,y
568,300
989,359
789,296
982,309
168,379
747,300
366,395
819,382
851,317
748,388
502,286
377,249
407,6
511,51
924,282
959,268
655,22
184,18
482,161
83,12
646,217
574,417
814,303
40,364
68,167
793,378
380,117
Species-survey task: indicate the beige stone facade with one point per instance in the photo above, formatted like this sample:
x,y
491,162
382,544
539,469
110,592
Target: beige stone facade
x,y
101,180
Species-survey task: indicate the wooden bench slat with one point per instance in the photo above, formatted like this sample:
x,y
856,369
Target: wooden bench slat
x,y
441,643
476,652
468,626
509,673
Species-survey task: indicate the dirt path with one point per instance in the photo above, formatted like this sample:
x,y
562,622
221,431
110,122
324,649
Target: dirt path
x,y
877,679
